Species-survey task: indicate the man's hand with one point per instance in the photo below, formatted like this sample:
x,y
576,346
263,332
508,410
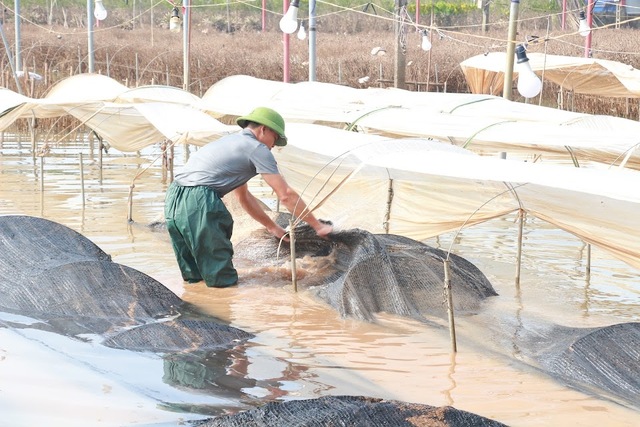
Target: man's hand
x,y
279,232
324,229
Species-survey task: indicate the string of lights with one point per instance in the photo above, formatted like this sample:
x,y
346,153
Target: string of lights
x,y
450,34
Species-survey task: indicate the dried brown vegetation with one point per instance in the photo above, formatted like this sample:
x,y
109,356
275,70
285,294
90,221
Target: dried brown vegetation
x,y
146,54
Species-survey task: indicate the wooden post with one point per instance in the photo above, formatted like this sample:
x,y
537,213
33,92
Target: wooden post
x,y
447,292
507,87
485,15
137,71
399,75
429,55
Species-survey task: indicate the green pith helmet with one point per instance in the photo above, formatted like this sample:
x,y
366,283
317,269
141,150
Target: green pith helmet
x,y
268,117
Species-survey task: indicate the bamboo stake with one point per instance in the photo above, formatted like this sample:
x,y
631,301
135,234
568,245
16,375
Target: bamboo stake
x,y
292,245
387,215
42,185
91,144
588,270
447,292
171,154
34,144
100,148
130,202
163,148
82,179
519,254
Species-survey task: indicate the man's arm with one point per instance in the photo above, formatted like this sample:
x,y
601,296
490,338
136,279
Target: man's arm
x,y
252,206
292,201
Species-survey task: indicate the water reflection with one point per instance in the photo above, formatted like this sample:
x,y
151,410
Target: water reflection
x,y
228,374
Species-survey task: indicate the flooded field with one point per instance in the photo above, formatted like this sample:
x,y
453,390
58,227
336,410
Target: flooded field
x,y
302,348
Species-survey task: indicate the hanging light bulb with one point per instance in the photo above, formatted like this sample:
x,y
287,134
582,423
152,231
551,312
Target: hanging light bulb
x,y
289,22
302,33
529,84
175,22
99,11
426,43
583,28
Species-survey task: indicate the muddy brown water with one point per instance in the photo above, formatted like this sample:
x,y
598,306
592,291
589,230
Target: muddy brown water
x,y
303,348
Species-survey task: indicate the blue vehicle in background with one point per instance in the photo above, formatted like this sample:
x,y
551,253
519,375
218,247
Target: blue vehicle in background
x,y
605,12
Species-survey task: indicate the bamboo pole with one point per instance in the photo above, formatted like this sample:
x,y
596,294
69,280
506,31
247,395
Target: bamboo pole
x,y
292,245
42,185
171,154
400,60
130,202
34,144
447,292
588,270
100,148
82,179
165,160
42,174
387,215
429,55
91,144
511,47
521,216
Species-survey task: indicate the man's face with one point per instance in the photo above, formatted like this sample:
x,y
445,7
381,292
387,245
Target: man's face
x,y
268,137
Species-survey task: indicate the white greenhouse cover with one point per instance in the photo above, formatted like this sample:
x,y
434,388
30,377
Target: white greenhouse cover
x,y
483,123
414,187
129,119
591,76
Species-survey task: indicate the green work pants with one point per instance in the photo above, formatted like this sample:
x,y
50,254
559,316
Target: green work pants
x,y
200,227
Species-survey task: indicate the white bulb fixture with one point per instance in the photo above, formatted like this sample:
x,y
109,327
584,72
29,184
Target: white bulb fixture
x,y
583,28
426,43
289,22
175,23
302,33
529,84
99,11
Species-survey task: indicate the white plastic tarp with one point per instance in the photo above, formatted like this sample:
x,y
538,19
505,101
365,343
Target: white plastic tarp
x,y
128,119
591,76
483,123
